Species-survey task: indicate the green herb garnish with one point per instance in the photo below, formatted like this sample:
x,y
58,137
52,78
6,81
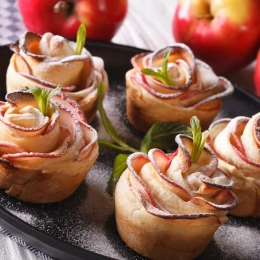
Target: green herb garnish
x,y
81,38
198,139
161,135
161,74
108,125
119,167
43,97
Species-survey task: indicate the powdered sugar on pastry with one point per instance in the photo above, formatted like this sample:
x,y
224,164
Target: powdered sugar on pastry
x,y
192,88
168,207
236,143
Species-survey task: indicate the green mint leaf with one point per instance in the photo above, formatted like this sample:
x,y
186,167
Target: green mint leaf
x,y
198,139
154,74
119,167
107,123
43,97
54,92
162,135
150,72
161,75
165,61
37,93
165,68
81,38
45,102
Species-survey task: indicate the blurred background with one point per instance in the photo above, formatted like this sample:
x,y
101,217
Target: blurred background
x,y
143,19
147,25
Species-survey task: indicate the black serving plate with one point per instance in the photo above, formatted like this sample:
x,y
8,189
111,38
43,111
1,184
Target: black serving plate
x,y
83,226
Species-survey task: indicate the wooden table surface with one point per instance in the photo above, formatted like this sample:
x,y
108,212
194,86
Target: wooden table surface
x,y
147,25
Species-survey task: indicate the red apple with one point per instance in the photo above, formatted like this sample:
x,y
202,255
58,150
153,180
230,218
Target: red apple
x,y
102,18
223,33
257,74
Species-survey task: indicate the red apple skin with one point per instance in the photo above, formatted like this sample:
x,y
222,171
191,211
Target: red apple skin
x,y
257,74
227,38
102,18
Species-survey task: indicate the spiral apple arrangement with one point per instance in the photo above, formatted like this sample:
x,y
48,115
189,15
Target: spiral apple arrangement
x,y
236,143
47,148
50,60
176,201
172,85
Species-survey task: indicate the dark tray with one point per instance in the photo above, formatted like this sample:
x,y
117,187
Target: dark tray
x,y
83,226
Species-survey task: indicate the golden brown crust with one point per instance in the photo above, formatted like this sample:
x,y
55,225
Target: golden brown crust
x,y
44,187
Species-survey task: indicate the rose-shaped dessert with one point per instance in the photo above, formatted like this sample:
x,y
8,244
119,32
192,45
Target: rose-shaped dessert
x,y
236,142
44,158
171,85
50,60
168,207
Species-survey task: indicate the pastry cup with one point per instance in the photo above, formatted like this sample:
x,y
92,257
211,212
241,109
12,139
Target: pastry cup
x,y
236,143
44,158
168,207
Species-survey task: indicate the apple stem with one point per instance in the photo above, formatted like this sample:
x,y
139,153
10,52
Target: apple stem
x,y
205,16
63,7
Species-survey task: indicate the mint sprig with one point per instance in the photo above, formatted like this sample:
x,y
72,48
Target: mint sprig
x,y
81,38
43,97
161,74
199,139
161,135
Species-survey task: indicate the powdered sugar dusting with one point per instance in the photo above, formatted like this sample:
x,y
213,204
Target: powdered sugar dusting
x,y
239,239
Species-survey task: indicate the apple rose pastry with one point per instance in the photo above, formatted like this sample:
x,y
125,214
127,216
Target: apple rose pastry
x,y
170,85
237,144
50,60
168,207
44,158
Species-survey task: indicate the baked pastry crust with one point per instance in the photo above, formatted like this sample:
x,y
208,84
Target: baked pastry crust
x,y
169,208
236,142
44,158
196,90
48,61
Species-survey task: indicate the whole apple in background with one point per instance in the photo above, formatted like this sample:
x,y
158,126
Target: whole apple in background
x,y
257,74
223,33
102,18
